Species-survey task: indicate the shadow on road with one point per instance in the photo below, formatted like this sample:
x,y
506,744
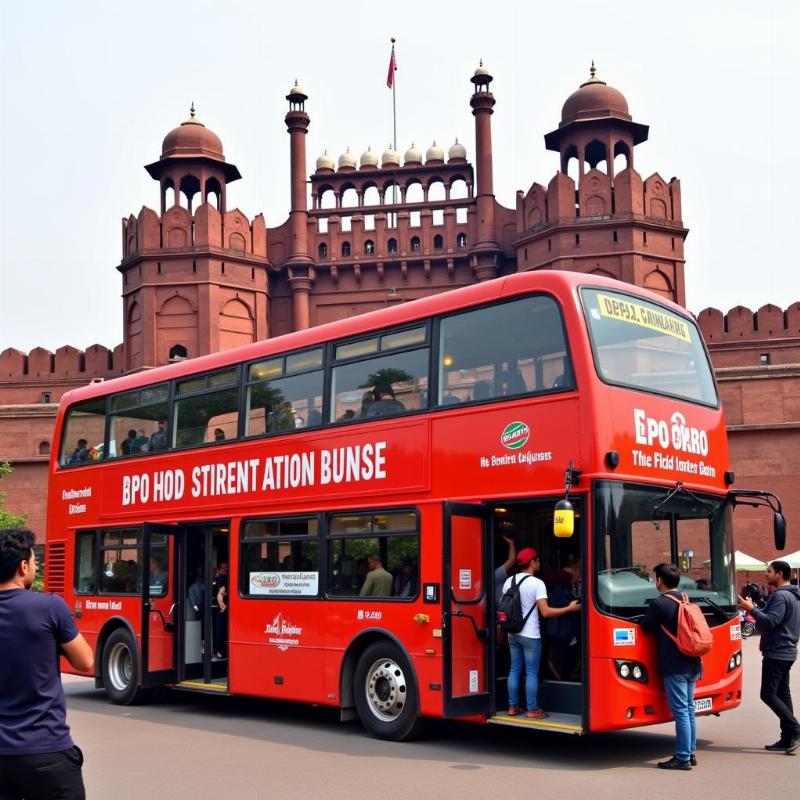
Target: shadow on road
x,y
319,729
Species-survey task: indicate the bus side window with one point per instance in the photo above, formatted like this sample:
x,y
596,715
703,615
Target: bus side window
x,y
204,405
86,550
83,433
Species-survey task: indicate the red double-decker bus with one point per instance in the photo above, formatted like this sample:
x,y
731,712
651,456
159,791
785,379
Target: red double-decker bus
x,y
325,517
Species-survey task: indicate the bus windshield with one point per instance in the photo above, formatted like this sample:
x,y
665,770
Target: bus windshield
x,y
641,345
637,527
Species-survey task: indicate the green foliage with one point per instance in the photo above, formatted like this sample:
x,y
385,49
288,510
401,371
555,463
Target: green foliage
x,y
387,377
7,519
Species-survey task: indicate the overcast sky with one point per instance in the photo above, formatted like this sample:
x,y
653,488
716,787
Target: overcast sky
x,y
89,89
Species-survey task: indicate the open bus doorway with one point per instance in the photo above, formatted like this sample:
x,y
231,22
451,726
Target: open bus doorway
x,y
561,683
204,644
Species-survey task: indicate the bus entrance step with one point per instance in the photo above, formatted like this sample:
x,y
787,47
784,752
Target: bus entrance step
x,y
217,686
559,723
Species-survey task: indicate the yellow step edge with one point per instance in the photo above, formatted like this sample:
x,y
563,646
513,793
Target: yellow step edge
x,y
214,687
536,723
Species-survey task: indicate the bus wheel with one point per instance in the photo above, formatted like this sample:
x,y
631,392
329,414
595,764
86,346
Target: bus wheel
x,y
121,668
386,693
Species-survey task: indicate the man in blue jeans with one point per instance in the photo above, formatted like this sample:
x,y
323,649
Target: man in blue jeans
x,y
526,646
679,672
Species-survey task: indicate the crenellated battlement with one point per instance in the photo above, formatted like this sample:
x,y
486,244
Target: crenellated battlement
x,y
66,364
178,230
598,197
741,324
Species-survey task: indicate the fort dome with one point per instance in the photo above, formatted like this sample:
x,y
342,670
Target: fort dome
x,y
192,138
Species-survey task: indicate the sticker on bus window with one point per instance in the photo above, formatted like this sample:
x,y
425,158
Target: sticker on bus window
x,y
473,681
299,584
624,636
736,633
644,316
465,579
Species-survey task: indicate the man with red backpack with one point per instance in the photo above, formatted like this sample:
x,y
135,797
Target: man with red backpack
x,y
679,671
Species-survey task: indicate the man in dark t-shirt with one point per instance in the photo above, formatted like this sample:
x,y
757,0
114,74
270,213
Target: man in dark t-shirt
x,y
38,758
679,672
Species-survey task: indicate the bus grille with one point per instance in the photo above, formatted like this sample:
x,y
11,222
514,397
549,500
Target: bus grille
x,y
55,567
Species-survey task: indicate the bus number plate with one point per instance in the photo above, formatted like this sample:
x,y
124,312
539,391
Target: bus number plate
x,y
703,704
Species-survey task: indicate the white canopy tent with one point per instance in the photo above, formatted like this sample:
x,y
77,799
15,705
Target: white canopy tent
x,y
793,559
744,562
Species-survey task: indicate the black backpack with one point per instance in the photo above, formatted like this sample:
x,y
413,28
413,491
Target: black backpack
x,y
509,609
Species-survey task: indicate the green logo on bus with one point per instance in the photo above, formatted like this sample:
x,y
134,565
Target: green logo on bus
x,y
515,435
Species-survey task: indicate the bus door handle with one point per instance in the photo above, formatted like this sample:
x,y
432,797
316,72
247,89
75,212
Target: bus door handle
x,y
168,624
481,633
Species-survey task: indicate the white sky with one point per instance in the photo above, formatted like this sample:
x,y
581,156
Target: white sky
x,y
89,89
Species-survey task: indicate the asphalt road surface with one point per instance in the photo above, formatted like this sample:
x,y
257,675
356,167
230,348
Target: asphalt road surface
x,y
200,747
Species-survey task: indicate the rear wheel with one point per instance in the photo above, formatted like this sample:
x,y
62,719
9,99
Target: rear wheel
x,y
120,668
386,693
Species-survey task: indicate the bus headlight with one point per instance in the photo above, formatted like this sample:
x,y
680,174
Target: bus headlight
x,y
735,661
631,671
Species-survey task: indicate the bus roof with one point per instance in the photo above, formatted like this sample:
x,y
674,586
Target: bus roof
x,y
422,308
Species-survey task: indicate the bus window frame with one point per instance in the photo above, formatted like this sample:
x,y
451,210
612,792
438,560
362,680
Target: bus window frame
x,y
320,537
245,384
331,362
101,548
62,443
110,418
172,428
76,561
630,387
371,512
573,387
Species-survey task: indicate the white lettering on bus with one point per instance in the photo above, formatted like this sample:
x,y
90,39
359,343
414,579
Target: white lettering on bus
x,y
168,484
135,489
683,437
353,463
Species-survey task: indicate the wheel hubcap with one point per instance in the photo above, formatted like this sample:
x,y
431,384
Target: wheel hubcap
x,y
120,667
386,689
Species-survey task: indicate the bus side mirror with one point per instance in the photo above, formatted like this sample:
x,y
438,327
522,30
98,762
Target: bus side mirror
x,y
779,530
563,519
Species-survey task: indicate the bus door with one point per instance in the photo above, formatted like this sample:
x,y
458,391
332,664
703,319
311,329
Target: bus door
x,y
468,633
160,602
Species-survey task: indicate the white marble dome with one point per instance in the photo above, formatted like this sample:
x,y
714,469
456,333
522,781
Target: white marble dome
x,y
456,151
325,162
390,157
369,159
434,153
413,155
347,160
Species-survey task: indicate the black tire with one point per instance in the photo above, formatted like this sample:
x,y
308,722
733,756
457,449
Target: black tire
x,y
386,693
120,667
748,629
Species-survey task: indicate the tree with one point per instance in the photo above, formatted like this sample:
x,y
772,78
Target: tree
x,y
7,518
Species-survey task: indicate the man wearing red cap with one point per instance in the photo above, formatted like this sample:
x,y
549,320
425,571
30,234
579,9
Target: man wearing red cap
x,y
526,646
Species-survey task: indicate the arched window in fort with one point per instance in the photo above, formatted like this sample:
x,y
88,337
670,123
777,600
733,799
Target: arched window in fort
x,y
369,222
595,155
461,216
415,193
322,225
323,250
461,240
346,224
657,281
414,219
170,198
437,216
392,194
372,197
213,192
44,448
327,199
570,164
349,197
415,244
178,352
369,247
190,186
622,157
436,191
459,189
345,248
392,245
438,242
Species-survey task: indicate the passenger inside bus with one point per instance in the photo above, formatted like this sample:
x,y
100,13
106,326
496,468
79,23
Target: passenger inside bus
x,y
158,441
384,403
80,453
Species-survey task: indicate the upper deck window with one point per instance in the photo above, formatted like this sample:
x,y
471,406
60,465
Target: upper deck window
x,y
285,393
206,410
503,350
383,376
84,433
139,421
645,346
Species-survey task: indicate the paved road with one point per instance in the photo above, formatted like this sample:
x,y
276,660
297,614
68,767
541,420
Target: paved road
x,y
197,747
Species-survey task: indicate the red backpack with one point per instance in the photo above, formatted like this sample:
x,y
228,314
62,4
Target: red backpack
x,y
694,636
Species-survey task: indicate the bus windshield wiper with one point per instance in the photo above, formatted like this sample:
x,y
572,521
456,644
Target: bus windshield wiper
x,y
680,488
721,612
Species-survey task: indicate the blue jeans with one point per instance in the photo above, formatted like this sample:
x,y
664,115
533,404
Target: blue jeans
x,y
523,648
680,696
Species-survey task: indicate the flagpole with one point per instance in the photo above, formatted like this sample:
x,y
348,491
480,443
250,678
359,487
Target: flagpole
x,y
394,101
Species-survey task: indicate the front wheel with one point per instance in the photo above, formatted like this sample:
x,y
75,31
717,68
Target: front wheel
x,y
120,668
386,693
